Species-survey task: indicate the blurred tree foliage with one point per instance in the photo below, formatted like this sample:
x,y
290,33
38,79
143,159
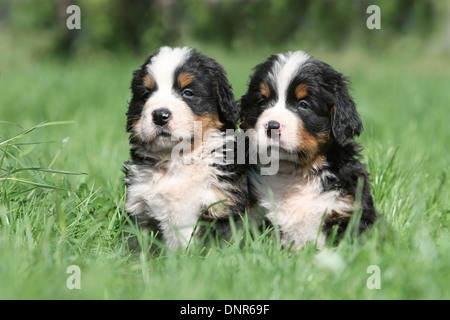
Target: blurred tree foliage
x,y
138,25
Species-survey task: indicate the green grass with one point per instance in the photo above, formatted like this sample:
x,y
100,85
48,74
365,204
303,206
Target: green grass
x,y
63,143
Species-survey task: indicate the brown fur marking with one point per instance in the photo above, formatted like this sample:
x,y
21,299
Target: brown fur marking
x,y
265,91
301,91
149,82
184,79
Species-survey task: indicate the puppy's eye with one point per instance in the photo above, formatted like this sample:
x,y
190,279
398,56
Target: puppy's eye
x,y
187,93
304,104
141,92
261,101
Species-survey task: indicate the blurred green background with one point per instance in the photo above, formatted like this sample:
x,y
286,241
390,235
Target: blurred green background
x,y
140,26
61,189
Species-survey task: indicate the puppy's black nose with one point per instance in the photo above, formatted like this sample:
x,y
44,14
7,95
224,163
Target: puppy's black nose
x,y
272,125
161,116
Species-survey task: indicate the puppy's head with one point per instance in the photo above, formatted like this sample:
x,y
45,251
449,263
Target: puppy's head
x,y
300,105
173,89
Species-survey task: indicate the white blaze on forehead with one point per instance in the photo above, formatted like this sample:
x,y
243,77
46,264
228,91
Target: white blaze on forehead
x,y
283,71
162,66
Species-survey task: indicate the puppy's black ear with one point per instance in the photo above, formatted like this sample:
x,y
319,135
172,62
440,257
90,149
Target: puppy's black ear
x,y
228,108
345,121
138,90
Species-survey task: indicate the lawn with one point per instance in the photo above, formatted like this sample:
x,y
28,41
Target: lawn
x,y
63,143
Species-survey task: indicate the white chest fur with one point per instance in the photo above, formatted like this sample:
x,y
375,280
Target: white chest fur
x,y
297,203
174,193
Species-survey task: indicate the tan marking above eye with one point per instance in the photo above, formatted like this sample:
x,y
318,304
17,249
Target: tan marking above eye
x,y
301,91
184,79
265,91
149,82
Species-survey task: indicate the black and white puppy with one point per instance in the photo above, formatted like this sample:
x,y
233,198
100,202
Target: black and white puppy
x,y
300,109
181,105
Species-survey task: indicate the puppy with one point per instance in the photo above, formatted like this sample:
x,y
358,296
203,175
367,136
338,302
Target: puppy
x,y
182,104
300,111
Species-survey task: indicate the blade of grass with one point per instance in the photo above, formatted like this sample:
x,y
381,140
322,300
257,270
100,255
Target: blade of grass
x,y
27,131
36,184
49,171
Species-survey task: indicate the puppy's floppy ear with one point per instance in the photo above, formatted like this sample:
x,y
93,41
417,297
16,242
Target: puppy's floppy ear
x,y
228,108
136,104
345,121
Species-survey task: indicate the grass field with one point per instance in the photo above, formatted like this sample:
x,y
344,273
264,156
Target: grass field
x,y
63,143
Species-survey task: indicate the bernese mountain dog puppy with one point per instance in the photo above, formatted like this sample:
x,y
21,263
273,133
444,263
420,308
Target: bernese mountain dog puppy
x,y
181,106
300,112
